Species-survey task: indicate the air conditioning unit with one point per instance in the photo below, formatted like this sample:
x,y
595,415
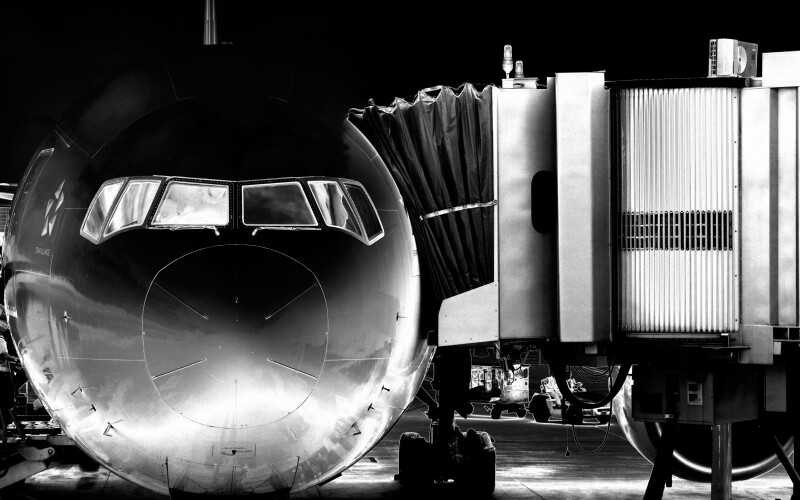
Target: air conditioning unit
x,y
729,57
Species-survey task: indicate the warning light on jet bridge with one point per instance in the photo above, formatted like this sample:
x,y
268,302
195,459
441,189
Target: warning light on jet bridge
x,y
518,71
508,61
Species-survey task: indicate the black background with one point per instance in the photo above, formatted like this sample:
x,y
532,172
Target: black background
x,y
51,54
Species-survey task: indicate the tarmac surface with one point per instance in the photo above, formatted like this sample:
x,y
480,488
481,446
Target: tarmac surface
x,y
531,464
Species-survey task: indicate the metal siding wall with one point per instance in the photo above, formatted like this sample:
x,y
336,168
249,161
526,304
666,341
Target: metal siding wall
x,y
787,206
759,216
677,209
524,145
584,255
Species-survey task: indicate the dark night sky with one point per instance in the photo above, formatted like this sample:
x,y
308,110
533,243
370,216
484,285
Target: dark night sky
x,y
51,54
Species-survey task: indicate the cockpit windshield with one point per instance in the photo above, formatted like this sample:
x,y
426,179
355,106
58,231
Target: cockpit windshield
x,y
365,208
193,204
99,209
276,204
133,206
180,203
334,206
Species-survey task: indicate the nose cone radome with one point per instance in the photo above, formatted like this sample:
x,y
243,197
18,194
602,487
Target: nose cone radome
x,y
235,335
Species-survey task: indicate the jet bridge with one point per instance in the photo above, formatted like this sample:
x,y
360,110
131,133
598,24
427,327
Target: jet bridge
x,y
620,212
644,223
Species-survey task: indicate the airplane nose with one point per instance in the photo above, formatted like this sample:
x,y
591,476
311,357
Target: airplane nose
x,y
235,335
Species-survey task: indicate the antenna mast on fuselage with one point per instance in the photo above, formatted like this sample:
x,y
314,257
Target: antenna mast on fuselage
x,y
210,28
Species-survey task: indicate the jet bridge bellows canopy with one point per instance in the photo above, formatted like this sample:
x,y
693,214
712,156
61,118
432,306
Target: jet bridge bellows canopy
x,y
438,148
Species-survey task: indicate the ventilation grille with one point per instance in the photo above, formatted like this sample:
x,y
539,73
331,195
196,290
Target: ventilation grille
x,y
3,218
712,57
676,161
707,230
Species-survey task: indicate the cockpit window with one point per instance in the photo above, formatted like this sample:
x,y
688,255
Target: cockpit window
x,y
276,204
312,203
365,208
193,204
334,206
133,206
98,210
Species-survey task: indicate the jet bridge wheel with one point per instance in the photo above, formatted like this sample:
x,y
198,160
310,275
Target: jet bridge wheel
x,y
538,407
413,458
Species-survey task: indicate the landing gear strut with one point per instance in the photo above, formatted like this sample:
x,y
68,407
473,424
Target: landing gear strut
x,y
661,474
791,470
468,457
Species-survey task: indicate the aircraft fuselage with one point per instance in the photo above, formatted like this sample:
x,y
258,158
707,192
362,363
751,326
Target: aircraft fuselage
x,y
217,358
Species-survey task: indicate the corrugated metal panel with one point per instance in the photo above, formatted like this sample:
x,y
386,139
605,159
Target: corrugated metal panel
x,y
677,209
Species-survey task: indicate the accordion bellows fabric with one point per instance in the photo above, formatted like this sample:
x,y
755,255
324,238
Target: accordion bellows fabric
x,y
438,148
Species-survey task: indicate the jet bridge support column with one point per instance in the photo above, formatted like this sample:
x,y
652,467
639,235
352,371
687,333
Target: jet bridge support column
x,y
721,462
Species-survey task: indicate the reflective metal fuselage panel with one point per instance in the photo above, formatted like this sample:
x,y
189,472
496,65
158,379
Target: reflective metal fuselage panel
x,y
230,363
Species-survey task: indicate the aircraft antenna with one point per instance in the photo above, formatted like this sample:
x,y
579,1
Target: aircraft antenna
x,y
210,27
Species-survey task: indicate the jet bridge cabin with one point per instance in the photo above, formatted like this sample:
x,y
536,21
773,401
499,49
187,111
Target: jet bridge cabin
x,y
638,212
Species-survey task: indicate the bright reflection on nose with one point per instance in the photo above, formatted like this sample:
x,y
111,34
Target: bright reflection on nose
x,y
240,346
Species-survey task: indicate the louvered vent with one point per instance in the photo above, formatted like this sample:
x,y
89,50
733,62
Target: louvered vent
x,y
712,57
696,230
676,209
3,217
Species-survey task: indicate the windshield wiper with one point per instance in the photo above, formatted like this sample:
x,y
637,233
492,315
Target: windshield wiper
x,y
182,227
285,228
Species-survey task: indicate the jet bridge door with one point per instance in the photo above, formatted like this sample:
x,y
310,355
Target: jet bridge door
x,y
525,162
